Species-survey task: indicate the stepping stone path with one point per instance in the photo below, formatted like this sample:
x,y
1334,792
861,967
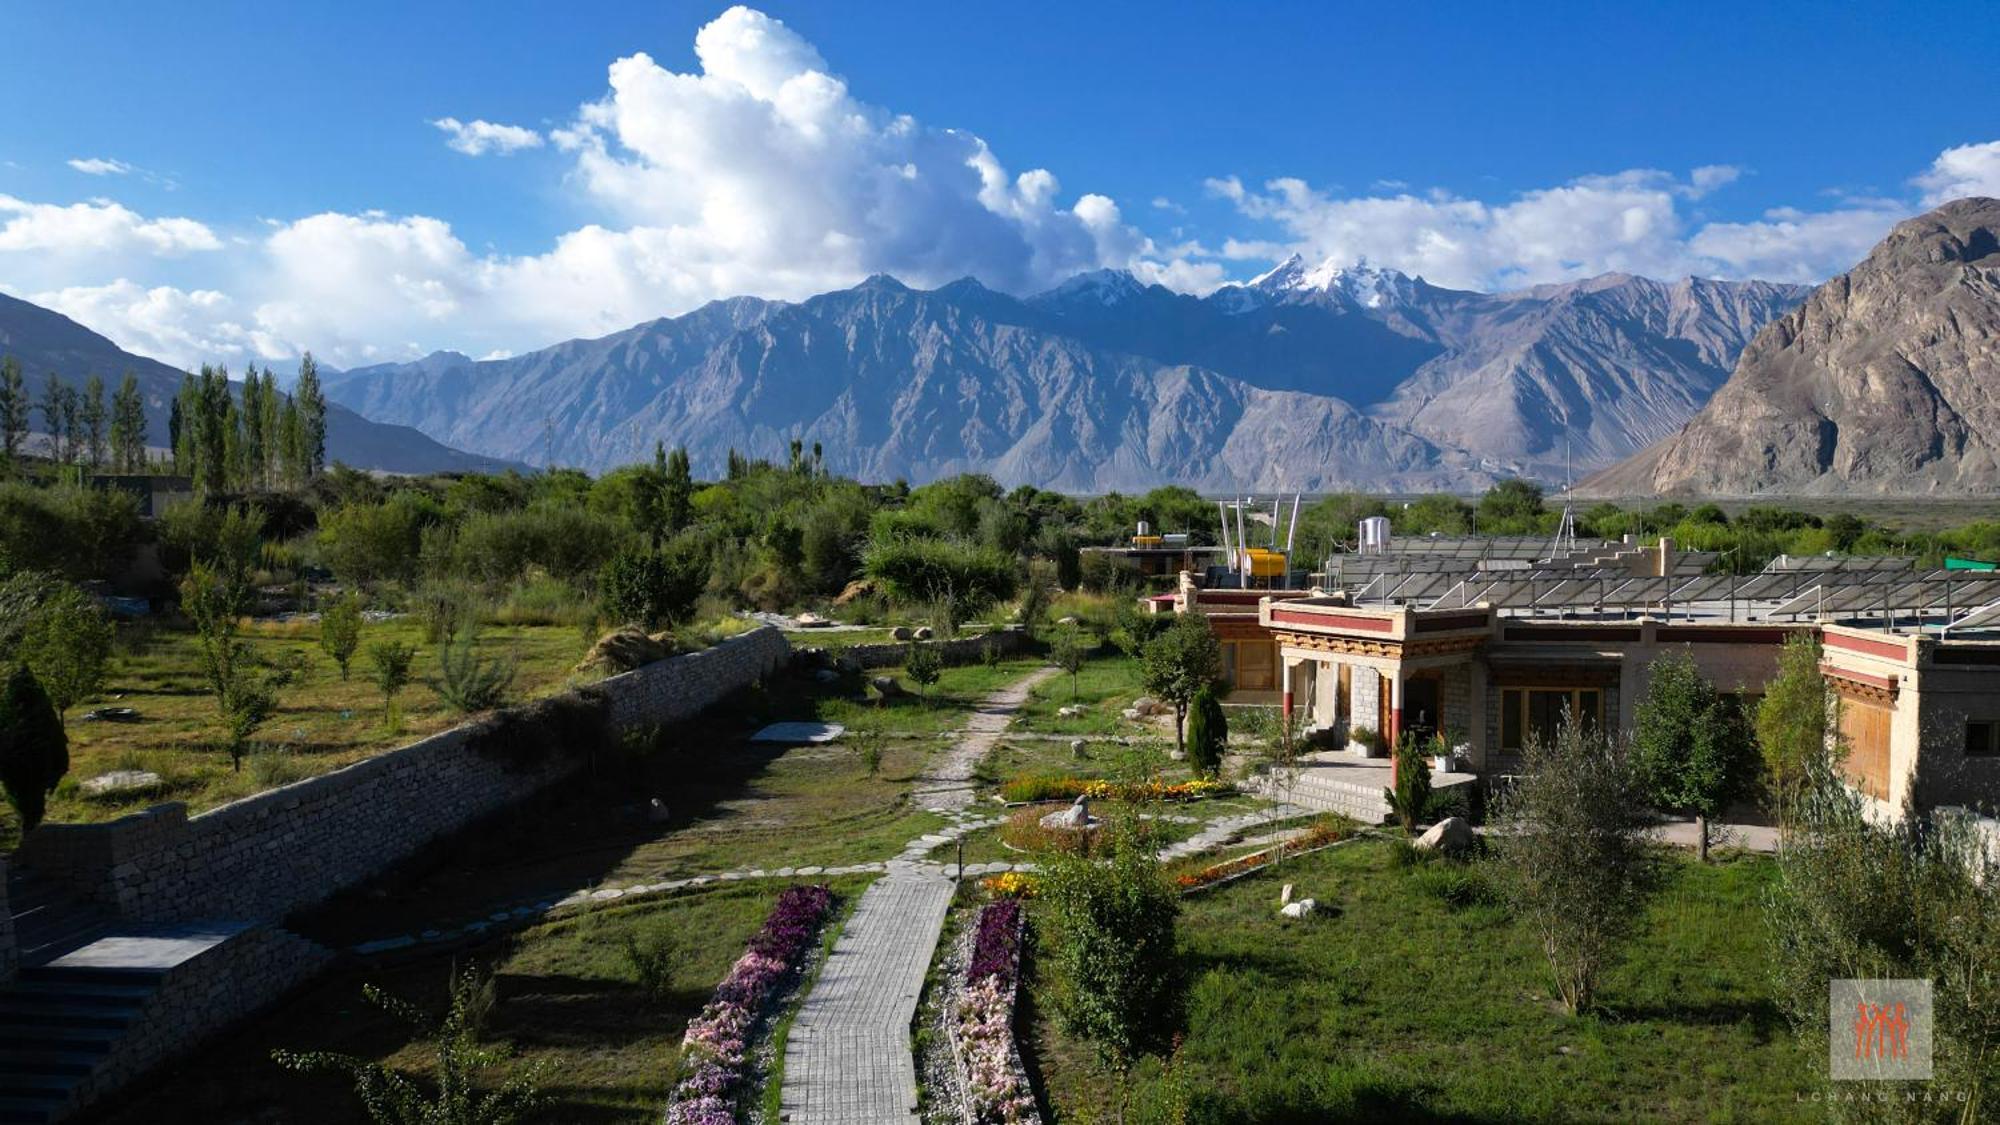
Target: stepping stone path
x,y
947,784
1218,832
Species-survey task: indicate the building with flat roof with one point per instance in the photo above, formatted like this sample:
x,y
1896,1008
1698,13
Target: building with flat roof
x,y
1492,651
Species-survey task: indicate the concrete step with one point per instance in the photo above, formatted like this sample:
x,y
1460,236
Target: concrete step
x,y
44,990
30,1111
35,1060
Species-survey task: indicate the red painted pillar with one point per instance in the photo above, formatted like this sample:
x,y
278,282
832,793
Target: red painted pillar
x,y
1395,732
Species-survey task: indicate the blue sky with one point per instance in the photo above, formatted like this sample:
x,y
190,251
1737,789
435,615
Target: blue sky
x,y
259,179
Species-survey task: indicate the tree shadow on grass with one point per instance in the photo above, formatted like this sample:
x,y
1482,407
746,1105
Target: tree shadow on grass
x,y
1762,1016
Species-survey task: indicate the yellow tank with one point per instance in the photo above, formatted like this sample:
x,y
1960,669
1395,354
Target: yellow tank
x,y
1143,541
1266,564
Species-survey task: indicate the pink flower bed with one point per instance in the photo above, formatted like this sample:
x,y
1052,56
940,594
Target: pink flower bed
x,y
996,1087
718,1040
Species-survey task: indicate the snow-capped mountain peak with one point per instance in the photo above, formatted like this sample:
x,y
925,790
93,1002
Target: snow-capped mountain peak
x,y
1106,287
1368,286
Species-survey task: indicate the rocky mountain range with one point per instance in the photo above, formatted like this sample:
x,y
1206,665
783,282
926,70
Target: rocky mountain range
x,y
45,341
1312,378
1885,381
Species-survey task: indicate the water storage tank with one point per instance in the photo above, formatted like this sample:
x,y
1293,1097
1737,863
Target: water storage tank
x,y
1374,535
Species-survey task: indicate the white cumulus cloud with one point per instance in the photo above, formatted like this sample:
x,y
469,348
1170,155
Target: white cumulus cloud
x,y
477,138
1962,171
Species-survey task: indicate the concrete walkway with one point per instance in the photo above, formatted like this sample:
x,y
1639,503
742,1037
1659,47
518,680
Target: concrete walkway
x,y
947,784
847,1059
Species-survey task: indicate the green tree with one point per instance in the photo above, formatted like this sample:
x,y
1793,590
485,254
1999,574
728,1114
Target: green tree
x,y
1793,719
652,587
340,631
312,418
1108,932
59,417
390,1097
1207,732
391,661
67,643
923,665
1917,899
34,750
954,580
91,421
128,426
1034,605
676,493
245,692
1511,507
1068,649
1178,663
1411,793
14,410
1572,853
1693,749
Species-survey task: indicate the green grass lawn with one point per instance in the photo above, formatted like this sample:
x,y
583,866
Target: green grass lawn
x,y
567,995
1400,1006
1105,686
322,722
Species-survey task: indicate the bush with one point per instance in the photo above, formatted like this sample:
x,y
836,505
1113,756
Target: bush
x,y
1411,794
954,580
650,588
469,681
447,607
654,959
1208,733
542,599
34,751
365,543
1109,941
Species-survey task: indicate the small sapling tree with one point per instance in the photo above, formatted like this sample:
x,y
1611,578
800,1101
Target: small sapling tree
x,y
340,631
1067,650
1178,663
1693,749
923,665
1207,733
391,661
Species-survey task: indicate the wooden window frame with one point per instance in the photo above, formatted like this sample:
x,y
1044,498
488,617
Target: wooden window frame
x,y
1982,730
1521,711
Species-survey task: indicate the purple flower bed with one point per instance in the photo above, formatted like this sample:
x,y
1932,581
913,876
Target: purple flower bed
x,y
718,1039
996,1085
996,948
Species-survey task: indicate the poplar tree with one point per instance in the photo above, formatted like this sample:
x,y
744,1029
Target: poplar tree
x,y
128,426
53,414
92,419
13,409
253,458
311,404
181,424
270,405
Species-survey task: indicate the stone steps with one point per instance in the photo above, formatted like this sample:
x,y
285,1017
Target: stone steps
x,y
57,1024
1322,794
47,922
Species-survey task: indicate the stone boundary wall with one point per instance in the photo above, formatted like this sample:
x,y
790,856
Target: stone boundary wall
x,y
958,650
264,856
200,997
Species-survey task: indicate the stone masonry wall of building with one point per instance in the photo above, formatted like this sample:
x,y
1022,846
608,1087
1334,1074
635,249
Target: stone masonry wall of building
x,y
261,857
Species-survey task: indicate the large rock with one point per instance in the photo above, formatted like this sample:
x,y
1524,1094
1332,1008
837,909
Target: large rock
x,y
902,633
1303,908
1883,382
120,781
623,649
888,687
1452,834
859,588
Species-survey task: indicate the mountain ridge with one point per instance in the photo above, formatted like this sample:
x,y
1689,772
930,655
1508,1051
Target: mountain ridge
x,y
1882,382
1372,368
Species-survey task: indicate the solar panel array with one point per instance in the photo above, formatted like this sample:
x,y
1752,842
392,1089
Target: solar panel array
x,y
1511,573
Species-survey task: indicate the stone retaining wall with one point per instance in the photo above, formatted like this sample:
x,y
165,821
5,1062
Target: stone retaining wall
x,y
958,650
264,856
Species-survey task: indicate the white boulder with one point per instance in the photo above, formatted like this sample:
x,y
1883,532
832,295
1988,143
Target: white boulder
x,y
1448,835
1303,908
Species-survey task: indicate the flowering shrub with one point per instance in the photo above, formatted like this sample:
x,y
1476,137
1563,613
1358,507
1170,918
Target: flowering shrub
x,y
718,1039
1051,788
1320,834
996,1086
1009,884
